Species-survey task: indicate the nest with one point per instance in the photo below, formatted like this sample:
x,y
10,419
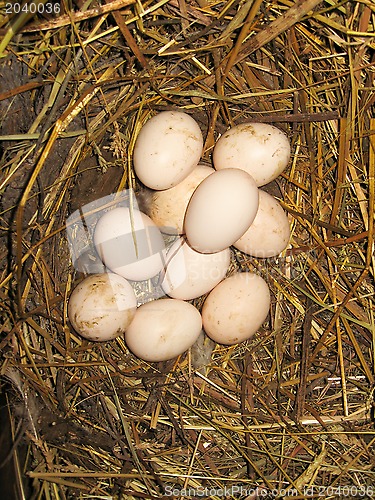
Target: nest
x,y
287,413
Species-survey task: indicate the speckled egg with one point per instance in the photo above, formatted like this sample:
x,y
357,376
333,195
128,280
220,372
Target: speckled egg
x,y
260,149
163,329
102,306
167,149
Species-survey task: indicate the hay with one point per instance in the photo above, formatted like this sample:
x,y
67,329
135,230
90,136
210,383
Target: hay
x,y
289,412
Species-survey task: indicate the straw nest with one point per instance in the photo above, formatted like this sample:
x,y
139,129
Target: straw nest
x,y
289,412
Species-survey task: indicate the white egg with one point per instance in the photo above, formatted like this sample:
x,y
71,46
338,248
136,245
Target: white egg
x,y
167,149
269,233
168,207
190,274
221,209
260,149
163,329
236,308
102,306
129,244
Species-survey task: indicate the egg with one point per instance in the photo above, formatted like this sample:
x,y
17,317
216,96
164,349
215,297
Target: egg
x,y
167,149
260,149
220,210
190,274
102,306
167,207
163,329
129,244
269,233
236,308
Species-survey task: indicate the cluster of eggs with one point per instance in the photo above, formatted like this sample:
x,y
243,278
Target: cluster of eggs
x,y
208,210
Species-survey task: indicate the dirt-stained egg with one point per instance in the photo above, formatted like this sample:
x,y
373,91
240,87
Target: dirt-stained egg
x,y
129,244
220,210
167,207
163,329
102,306
260,149
167,149
269,233
190,274
236,308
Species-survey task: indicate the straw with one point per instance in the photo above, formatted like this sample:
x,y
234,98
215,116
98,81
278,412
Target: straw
x,y
288,412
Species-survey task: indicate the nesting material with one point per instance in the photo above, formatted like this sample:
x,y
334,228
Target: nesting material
x,y
288,412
